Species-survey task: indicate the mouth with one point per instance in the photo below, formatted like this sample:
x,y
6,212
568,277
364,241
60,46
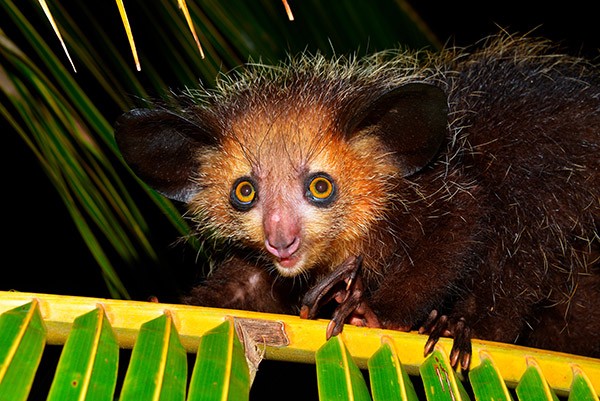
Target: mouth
x,y
290,266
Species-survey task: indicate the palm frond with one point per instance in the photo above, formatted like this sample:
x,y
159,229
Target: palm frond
x,y
161,335
89,362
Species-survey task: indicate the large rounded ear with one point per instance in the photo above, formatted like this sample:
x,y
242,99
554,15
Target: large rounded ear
x,y
411,120
162,150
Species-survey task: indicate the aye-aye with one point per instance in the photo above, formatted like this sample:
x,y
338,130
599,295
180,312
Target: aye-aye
x,y
455,192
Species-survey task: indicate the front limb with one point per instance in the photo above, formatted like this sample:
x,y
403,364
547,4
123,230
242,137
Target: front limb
x,y
403,301
344,285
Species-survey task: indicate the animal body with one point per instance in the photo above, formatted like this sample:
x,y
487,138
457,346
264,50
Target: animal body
x,y
456,192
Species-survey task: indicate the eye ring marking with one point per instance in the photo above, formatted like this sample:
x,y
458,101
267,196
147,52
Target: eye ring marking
x,y
320,189
243,194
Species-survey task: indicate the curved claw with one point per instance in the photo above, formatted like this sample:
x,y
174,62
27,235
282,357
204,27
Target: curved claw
x,y
349,305
442,326
461,347
430,322
345,286
435,332
325,291
336,324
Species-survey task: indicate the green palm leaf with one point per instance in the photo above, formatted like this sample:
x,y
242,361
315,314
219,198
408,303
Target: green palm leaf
x,y
87,369
487,382
389,380
533,385
439,379
338,376
158,368
581,387
22,340
221,371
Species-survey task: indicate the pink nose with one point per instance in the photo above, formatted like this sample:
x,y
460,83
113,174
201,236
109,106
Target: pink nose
x,y
283,248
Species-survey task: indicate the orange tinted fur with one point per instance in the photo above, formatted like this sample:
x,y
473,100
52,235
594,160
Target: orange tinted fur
x,y
361,167
467,182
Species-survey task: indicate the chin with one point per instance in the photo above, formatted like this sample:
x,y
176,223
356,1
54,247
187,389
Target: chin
x,y
291,267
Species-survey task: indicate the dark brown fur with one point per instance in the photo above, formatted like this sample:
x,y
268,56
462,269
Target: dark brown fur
x,y
499,229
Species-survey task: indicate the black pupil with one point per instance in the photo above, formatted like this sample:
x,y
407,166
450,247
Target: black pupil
x,y
246,190
321,186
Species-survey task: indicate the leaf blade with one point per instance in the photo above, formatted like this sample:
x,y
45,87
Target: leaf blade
x,y
439,379
533,384
486,381
221,371
22,341
581,387
389,380
88,365
338,377
158,366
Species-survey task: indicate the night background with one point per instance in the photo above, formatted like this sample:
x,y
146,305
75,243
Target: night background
x,y
42,248
44,252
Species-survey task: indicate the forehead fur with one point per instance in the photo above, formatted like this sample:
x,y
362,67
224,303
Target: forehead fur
x,y
286,136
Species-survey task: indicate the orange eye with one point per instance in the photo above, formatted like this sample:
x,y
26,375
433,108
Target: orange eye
x,y
320,189
243,194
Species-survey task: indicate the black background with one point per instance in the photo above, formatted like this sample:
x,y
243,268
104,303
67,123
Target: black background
x,y
44,252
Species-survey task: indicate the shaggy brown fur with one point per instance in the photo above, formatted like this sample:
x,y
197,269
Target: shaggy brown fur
x,y
468,182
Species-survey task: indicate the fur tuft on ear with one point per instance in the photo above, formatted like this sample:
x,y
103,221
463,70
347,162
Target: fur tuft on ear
x,y
161,149
411,120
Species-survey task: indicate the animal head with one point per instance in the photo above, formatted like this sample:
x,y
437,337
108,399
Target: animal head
x,y
300,171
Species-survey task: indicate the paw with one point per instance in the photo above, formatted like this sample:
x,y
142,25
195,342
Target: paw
x,y
442,326
344,286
